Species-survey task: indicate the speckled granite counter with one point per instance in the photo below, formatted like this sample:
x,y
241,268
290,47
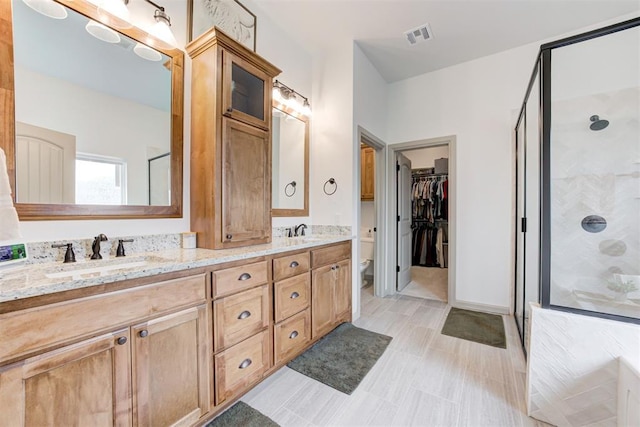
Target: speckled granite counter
x,y
48,278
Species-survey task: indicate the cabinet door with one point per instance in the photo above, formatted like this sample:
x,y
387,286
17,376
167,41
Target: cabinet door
x,y
246,92
170,369
84,384
342,301
367,173
322,291
246,182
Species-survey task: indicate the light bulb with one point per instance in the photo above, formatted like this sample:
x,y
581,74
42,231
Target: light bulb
x,y
306,108
115,13
47,8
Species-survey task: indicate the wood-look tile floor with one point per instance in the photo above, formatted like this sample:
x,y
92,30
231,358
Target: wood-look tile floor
x,y
424,378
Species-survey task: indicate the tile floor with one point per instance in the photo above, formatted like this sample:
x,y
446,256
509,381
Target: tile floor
x,y
423,378
428,282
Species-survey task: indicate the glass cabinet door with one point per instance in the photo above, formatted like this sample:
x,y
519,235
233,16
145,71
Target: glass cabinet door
x,y
246,92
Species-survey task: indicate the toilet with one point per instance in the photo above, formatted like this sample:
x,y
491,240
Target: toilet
x,y
366,257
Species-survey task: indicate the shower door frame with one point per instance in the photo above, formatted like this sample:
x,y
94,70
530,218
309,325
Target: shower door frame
x,y
545,195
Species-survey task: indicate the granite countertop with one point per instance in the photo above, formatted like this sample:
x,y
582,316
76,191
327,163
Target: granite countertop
x,y
32,280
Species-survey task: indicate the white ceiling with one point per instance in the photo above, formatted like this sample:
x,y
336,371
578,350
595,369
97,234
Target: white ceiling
x,y
462,29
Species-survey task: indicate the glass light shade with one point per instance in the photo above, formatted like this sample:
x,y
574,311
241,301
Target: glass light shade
x,y
145,52
161,30
115,13
47,8
101,32
306,109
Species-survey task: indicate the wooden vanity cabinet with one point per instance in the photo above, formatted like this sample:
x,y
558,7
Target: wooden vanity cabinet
x,y
367,173
151,369
230,142
330,288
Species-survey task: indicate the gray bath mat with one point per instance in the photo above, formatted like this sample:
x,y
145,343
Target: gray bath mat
x,y
475,326
242,415
342,358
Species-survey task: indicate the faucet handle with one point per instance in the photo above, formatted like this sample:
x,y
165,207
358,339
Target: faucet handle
x,y
69,255
120,250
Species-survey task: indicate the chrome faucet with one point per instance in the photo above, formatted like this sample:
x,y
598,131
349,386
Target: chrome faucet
x,y
95,246
298,227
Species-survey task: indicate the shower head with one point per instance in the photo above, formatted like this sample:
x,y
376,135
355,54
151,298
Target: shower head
x,y
598,123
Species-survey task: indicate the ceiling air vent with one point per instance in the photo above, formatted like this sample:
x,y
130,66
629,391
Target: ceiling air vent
x,y
418,34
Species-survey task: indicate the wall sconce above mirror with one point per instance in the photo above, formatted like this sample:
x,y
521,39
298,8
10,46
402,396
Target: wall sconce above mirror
x,y
286,98
290,162
97,126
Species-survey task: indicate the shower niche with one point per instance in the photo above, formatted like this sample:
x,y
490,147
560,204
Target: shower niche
x,y
578,204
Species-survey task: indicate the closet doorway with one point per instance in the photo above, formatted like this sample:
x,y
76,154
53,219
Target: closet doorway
x,y
424,199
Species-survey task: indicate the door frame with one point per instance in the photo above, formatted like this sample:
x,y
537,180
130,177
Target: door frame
x,y
392,212
380,218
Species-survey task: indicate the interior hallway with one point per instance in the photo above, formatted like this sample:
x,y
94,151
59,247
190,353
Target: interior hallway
x,y
423,378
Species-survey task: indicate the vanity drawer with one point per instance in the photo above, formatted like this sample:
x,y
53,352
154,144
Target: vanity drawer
x,y
292,296
330,255
232,280
241,365
292,335
35,329
289,266
239,316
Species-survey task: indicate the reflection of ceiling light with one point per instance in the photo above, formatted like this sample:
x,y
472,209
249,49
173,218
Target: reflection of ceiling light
x,y
162,31
146,52
47,8
101,32
115,13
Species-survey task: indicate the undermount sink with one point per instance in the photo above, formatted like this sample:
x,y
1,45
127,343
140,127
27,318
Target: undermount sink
x,y
99,268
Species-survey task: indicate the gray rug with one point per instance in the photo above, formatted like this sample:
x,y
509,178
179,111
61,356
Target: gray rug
x,y
242,415
342,358
475,326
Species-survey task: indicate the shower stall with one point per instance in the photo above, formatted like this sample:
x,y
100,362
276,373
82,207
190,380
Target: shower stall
x,y
577,160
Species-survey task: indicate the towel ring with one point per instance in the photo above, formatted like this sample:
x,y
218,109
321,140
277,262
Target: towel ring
x,y
291,192
332,182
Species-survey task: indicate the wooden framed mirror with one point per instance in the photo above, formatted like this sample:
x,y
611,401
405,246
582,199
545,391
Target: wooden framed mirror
x,y
289,162
83,115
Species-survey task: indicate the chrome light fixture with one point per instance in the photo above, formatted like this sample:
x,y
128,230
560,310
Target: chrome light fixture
x,y
162,29
47,8
287,97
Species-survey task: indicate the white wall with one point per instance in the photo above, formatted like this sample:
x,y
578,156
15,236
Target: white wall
x,y
367,215
100,122
425,157
572,367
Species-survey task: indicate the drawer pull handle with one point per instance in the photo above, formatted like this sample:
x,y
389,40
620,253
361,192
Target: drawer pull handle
x,y
293,335
122,340
244,276
294,264
295,295
245,364
244,315
143,333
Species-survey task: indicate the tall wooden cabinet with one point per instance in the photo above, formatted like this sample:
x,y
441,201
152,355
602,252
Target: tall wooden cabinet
x,y
230,143
367,172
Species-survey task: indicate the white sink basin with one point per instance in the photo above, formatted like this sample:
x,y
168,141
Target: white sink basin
x,y
97,270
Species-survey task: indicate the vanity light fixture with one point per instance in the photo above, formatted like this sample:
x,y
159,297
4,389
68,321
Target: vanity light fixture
x,y
115,13
288,97
102,32
47,8
162,28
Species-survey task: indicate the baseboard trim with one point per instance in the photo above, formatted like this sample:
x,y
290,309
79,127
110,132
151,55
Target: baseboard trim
x,y
487,308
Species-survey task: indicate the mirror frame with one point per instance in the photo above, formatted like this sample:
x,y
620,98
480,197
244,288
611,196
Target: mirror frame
x,y
304,211
41,211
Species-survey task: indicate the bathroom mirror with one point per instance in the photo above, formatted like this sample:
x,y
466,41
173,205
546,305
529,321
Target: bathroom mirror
x,y
97,125
290,163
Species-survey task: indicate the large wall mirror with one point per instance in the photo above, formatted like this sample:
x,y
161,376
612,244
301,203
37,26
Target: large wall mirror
x,y
96,127
290,163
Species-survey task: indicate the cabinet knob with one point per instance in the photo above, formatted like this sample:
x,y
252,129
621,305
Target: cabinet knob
x,y
229,236
333,268
294,264
337,267
143,333
244,276
245,364
295,295
244,315
122,340
230,110
293,335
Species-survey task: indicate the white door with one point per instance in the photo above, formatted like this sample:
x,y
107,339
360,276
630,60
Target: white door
x,y
404,221
45,165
